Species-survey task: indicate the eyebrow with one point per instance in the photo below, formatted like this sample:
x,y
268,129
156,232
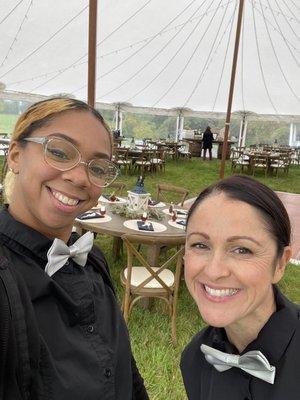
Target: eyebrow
x,y
231,239
75,143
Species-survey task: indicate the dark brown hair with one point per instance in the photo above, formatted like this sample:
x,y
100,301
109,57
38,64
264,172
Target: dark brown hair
x,y
261,197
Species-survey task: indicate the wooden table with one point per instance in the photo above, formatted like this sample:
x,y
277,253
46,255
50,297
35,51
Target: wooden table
x,y
116,229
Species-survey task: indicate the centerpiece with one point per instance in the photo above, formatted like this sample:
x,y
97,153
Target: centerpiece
x,y
138,198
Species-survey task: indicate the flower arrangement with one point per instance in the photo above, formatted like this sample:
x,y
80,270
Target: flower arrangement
x,y
124,211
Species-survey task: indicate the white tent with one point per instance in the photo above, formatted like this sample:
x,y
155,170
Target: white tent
x,y
154,53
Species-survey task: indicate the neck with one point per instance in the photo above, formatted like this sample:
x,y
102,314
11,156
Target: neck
x,y
242,333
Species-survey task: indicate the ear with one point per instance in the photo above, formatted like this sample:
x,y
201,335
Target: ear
x,y
13,158
281,263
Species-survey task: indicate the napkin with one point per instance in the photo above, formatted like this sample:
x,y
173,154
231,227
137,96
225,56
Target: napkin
x,y
183,223
90,215
144,226
152,202
181,212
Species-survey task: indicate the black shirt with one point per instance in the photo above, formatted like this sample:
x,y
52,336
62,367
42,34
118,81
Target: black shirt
x,y
86,351
279,341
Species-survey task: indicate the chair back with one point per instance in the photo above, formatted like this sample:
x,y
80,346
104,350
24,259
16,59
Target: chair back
x,y
168,193
142,280
117,188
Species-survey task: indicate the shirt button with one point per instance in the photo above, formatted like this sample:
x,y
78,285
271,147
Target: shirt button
x,y
90,329
107,373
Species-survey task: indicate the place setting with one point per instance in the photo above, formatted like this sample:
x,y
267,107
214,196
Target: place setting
x,y
181,213
96,215
144,224
177,222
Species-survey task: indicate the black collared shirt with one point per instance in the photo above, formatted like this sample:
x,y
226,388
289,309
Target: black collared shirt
x,y
84,338
279,341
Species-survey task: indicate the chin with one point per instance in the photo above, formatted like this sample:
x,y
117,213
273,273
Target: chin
x,y
215,319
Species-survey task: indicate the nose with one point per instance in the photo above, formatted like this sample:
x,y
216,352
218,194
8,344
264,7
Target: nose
x,y
217,266
78,175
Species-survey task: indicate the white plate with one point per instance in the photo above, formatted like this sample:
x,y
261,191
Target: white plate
x,y
107,218
132,224
104,200
160,204
180,216
174,223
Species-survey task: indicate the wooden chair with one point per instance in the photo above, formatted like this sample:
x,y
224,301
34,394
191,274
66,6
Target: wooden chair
x,y
121,159
158,160
259,162
281,163
146,281
143,163
239,160
116,187
170,193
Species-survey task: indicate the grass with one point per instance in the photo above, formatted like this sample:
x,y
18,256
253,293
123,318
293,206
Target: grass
x,y
157,359
7,122
149,330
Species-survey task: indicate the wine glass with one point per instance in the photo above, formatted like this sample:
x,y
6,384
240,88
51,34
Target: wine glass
x,y
102,210
144,216
174,216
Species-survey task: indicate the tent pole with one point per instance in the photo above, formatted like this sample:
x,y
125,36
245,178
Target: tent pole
x,y
233,70
92,51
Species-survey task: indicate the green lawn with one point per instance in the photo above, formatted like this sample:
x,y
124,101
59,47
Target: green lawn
x,y
7,122
150,335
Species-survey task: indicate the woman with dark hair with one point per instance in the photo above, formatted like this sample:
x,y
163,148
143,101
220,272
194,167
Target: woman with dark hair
x,y
62,334
207,141
237,248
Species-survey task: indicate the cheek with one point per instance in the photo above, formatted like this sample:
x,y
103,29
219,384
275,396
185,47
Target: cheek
x,y
192,266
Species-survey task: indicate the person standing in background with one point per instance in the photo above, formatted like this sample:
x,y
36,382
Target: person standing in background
x,y
207,142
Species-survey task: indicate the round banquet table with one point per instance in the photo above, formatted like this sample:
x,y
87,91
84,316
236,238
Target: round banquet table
x,y
115,228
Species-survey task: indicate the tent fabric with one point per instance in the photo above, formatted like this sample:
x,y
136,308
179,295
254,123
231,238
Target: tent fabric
x,y
156,54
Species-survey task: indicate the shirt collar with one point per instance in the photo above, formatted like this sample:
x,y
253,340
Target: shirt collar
x,y
25,236
273,338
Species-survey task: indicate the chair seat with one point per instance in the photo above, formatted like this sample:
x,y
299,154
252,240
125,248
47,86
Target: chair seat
x,y
139,274
123,162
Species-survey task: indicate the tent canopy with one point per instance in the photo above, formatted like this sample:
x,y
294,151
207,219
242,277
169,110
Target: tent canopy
x,y
154,54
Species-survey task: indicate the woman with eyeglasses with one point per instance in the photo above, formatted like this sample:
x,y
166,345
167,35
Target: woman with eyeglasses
x,y
62,334
237,248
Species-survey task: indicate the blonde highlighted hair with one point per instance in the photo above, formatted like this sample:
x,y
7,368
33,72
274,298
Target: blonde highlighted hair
x,y
40,114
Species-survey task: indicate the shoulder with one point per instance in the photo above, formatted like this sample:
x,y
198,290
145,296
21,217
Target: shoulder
x,y
192,353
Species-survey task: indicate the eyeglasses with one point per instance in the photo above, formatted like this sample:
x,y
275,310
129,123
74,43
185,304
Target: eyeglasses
x,y
63,155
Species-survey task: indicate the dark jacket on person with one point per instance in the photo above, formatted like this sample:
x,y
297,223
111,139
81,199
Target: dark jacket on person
x,y
278,340
207,139
61,337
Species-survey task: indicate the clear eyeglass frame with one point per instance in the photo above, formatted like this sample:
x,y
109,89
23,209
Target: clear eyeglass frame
x,y
101,172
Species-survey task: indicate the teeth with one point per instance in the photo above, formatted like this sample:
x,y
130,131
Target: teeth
x,y
64,199
220,292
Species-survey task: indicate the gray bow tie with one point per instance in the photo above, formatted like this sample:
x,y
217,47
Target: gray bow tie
x,y
252,362
59,253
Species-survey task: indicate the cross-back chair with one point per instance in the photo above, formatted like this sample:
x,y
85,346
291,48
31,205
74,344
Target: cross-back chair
x,y
142,280
116,187
168,193
121,158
